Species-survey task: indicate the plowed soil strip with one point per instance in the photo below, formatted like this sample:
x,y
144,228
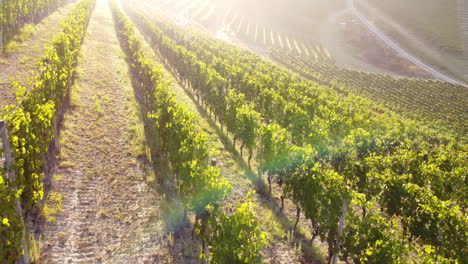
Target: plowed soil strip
x,y
108,212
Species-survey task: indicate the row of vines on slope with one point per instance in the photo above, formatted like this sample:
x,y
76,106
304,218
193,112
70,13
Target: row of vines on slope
x,y
241,119
199,185
434,100
16,13
355,157
345,113
31,126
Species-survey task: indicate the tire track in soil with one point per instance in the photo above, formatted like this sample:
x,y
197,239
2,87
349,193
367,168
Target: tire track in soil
x,y
109,213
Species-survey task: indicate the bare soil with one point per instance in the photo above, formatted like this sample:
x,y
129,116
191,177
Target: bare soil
x,y
108,212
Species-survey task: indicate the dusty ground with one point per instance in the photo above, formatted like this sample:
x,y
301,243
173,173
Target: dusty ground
x,y
100,208
20,65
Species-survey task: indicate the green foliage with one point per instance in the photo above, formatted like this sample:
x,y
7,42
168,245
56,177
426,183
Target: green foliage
x,y
31,123
372,239
435,222
325,145
234,238
16,13
11,229
182,140
320,192
207,188
433,100
248,125
11,47
229,106
25,33
274,148
428,255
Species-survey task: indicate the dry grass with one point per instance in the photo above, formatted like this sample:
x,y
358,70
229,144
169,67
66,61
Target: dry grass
x,y
53,205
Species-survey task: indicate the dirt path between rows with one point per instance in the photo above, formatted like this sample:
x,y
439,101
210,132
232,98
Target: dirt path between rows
x,y
20,65
104,210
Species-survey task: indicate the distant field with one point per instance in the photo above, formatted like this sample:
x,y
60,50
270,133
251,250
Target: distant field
x,y
289,13
291,26
294,15
433,20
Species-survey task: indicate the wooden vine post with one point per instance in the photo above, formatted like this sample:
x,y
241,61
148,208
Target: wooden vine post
x,y
1,33
24,259
341,225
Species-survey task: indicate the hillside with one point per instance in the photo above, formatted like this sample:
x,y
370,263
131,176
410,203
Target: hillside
x,y
438,42
435,21
143,132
